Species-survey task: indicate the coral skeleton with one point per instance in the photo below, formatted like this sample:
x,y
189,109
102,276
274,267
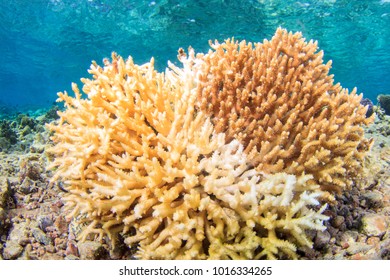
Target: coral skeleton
x,y
233,155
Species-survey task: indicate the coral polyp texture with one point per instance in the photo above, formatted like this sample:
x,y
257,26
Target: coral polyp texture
x,y
279,101
233,155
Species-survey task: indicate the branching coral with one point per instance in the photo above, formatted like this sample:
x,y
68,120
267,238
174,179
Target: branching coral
x,y
278,99
227,157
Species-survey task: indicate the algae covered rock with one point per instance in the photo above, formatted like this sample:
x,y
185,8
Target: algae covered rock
x,y
8,135
4,196
384,102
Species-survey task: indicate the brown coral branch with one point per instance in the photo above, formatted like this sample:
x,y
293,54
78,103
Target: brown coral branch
x,y
278,98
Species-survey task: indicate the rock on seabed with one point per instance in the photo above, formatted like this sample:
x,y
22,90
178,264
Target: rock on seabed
x,y
374,224
12,250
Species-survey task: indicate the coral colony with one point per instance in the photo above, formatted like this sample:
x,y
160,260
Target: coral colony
x,y
234,155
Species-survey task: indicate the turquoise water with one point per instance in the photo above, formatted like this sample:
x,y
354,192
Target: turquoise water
x,y
47,44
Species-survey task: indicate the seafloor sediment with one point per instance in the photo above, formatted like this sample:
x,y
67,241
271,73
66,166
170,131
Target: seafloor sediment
x,y
33,223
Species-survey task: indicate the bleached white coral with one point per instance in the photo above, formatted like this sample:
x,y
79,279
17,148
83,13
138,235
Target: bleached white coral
x,y
267,205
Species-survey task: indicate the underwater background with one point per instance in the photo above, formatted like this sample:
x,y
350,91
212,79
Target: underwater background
x,y
47,44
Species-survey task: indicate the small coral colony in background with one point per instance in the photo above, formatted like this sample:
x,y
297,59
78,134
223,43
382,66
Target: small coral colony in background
x,y
233,155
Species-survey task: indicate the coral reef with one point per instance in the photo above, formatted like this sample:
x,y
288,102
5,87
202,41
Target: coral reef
x,y
4,197
370,109
384,103
23,183
18,130
8,136
232,156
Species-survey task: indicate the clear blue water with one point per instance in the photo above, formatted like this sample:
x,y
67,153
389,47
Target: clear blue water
x,y
47,44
